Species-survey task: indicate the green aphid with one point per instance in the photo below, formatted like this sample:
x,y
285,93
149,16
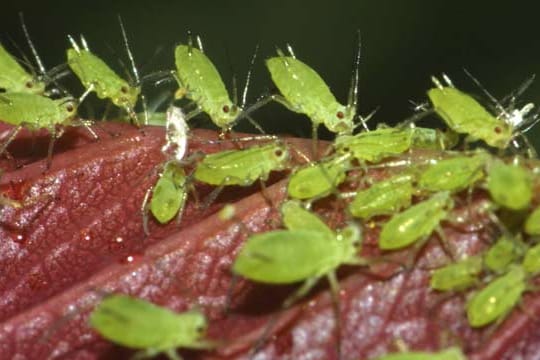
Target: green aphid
x,y
503,253
510,186
454,174
531,261
96,76
415,223
465,115
200,82
318,179
374,146
14,78
457,276
308,250
498,298
532,224
383,198
453,353
426,138
139,324
304,91
169,194
242,167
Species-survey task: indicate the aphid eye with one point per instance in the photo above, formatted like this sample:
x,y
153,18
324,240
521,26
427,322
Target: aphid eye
x,y
29,85
340,115
278,153
124,89
70,108
497,130
226,108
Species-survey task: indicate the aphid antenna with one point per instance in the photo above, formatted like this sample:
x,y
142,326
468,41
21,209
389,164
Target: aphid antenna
x,y
74,43
364,120
515,94
129,52
39,63
352,101
248,76
199,43
291,51
495,102
135,73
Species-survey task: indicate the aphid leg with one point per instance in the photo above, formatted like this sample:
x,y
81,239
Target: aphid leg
x,y
445,244
314,140
145,210
294,297
55,134
334,287
9,138
193,113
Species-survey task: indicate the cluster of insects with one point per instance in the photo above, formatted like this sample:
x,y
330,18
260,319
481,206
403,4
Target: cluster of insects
x,y
479,150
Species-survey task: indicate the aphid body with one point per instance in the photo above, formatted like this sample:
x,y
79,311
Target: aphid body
x,y
385,197
201,83
305,92
532,224
242,167
457,276
417,222
498,298
139,324
453,174
318,179
304,252
14,78
509,185
96,76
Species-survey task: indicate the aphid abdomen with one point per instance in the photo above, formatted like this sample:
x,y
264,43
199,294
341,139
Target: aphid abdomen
x,y
203,84
496,299
92,71
307,93
286,256
465,115
32,111
415,223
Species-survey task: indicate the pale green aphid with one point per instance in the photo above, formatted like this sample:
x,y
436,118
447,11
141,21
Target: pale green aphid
x,y
373,146
465,115
201,83
34,112
169,194
453,174
308,250
242,167
504,252
96,76
304,91
318,179
498,298
139,324
532,224
453,353
457,276
14,78
376,145
383,198
531,261
510,186
415,223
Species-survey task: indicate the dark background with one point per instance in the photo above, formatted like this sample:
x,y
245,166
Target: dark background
x,y
404,43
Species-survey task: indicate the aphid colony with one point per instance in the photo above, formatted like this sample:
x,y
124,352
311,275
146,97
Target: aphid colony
x,y
409,205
